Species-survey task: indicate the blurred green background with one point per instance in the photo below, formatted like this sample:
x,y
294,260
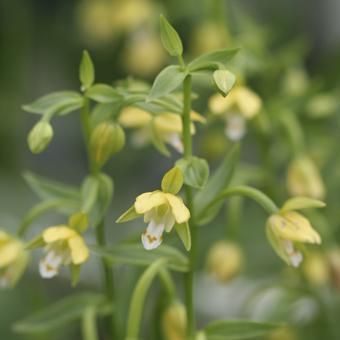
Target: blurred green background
x,y
41,43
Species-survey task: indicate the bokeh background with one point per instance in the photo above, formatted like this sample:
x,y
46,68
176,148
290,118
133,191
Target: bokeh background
x,y
41,44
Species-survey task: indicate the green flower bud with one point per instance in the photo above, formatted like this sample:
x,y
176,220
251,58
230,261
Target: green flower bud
x,y
40,136
107,139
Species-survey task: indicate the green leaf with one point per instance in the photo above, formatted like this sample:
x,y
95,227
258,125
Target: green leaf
x,y
47,189
183,231
138,298
105,194
61,102
89,324
167,81
103,93
78,221
129,215
103,112
59,314
172,181
170,38
212,60
135,254
297,203
238,329
86,71
195,171
89,193
218,182
224,80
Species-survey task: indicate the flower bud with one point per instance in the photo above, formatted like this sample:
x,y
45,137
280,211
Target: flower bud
x,y
174,322
40,136
13,260
107,139
303,179
316,270
224,261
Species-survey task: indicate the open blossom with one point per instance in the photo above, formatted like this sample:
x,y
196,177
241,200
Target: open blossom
x,y
240,105
162,210
64,246
166,126
288,230
13,259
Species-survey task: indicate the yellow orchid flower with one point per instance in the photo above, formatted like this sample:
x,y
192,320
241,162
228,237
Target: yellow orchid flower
x,y
240,105
167,126
13,259
162,210
63,246
288,230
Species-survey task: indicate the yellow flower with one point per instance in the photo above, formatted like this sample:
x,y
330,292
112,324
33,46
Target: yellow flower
x,y
161,209
174,322
288,230
303,179
64,246
13,259
239,105
167,126
316,269
225,260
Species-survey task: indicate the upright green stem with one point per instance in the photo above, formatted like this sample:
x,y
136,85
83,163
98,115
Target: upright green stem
x,y
189,279
100,230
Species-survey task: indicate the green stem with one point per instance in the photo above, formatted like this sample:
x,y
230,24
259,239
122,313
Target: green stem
x,y
189,277
89,327
246,191
100,229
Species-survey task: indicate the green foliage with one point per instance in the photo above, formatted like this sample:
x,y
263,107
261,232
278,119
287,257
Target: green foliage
x,y
170,38
86,71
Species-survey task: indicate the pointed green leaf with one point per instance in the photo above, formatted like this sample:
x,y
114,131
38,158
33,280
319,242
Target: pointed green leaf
x,y
86,71
297,203
195,171
224,80
170,38
167,81
183,231
238,329
172,181
103,93
78,221
216,184
129,215
59,314
212,60
61,102
89,193
135,254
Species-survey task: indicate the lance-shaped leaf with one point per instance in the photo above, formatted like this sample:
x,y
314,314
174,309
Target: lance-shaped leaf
x,y
183,231
48,189
216,184
61,102
86,71
238,330
212,60
103,93
170,38
135,254
61,313
299,202
167,81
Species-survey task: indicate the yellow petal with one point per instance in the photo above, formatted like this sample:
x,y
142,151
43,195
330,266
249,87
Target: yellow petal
x,y
168,122
4,236
248,102
294,227
179,210
57,233
79,250
9,252
219,105
196,117
133,117
145,202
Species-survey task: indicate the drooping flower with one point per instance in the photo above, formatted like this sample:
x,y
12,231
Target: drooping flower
x,y
174,322
64,246
13,259
162,210
288,230
240,105
166,126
